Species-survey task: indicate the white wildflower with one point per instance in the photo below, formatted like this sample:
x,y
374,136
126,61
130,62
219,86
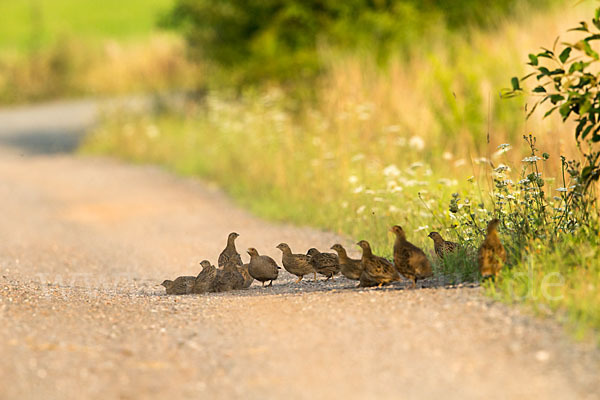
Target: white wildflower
x,y
344,204
502,168
352,179
393,209
416,165
370,192
358,189
562,189
531,159
459,162
416,142
422,228
447,156
504,146
377,199
360,209
391,171
480,160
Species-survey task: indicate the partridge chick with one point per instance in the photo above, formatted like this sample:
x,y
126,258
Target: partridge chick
x,y
205,279
181,285
230,253
491,256
410,260
248,279
350,268
324,263
296,264
441,246
228,278
377,271
262,268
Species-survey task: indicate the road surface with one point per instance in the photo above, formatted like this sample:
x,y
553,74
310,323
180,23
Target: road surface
x,y
84,243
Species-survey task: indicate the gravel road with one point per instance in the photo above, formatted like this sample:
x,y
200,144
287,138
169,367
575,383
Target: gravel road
x,y
85,242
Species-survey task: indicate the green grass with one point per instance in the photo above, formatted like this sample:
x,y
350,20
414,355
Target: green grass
x,y
27,23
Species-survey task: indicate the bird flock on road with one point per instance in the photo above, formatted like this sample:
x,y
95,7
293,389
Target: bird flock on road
x,y
371,270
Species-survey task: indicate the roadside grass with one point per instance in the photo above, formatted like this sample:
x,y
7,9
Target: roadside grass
x,y
402,144
65,48
73,68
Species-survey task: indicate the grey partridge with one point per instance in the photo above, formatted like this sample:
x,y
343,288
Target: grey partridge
x,y
410,260
377,270
492,255
326,264
262,268
296,264
230,254
350,268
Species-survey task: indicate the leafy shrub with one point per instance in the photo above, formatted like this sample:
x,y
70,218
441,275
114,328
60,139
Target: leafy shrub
x,y
257,40
567,76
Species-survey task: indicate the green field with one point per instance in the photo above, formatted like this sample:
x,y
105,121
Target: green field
x,y
27,23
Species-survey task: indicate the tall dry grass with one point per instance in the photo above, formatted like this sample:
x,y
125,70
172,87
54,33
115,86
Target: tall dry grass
x,y
71,67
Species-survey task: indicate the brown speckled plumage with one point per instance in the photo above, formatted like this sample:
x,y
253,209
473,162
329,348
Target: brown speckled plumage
x,y
441,246
350,268
410,260
230,254
228,278
295,264
181,285
377,270
326,264
491,256
248,279
205,279
262,268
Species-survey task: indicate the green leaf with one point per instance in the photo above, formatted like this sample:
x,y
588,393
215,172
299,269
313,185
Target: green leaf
x,y
583,26
586,48
585,132
532,110
515,83
564,55
555,98
550,111
585,107
595,36
565,110
539,89
533,59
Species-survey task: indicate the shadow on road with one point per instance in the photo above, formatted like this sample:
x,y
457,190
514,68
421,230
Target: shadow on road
x,y
44,141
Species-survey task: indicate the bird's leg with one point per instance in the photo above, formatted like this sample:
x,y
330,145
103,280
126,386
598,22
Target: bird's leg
x,y
414,284
263,283
299,279
380,285
315,274
270,283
